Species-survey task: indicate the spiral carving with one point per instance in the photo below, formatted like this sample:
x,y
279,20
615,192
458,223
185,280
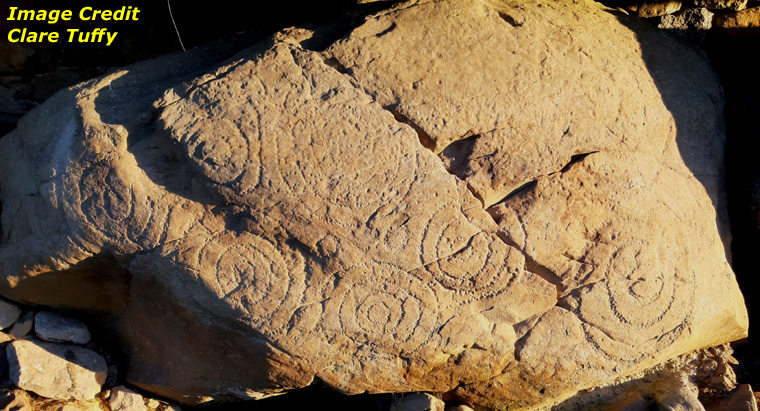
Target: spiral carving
x,y
381,305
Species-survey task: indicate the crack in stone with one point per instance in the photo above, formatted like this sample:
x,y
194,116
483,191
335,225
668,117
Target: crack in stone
x,y
574,159
424,137
510,20
531,265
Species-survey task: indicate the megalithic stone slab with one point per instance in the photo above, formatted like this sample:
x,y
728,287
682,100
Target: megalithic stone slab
x,y
506,201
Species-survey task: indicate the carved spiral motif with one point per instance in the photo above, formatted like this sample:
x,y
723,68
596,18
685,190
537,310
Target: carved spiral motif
x,y
447,232
250,274
646,302
480,271
383,306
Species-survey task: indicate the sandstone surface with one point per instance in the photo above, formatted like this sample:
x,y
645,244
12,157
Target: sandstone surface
x,y
722,4
56,371
418,402
506,201
747,18
124,399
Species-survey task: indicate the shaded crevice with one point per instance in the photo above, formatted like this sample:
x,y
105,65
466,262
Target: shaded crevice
x,y
510,20
386,31
575,159
525,188
400,6
333,63
476,195
424,137
532,266
530,185
458,153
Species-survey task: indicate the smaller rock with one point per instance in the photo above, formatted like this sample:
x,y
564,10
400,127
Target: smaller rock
x,y
9,313
15,400
677,393
418,402
4,338
741,399
124,399
54,327
173,407
23,326
722,4
647,10
740,19
460,407
55,370
699,18
153,403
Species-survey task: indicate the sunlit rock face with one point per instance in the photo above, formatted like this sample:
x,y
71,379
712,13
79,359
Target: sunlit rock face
x,y
508,202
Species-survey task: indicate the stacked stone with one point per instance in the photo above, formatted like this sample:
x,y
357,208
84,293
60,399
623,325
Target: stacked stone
x,y
49,356
698,14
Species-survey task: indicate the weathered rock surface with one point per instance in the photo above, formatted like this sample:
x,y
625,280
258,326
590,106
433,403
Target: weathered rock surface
x,y
698,18
124,399
23,326
656,9
742,399
54,327
747,18
56,371
722,4
9,313
502,201
418,402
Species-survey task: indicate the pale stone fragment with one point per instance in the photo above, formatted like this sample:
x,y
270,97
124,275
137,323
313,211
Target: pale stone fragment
x,y
418,402
124,399
55,370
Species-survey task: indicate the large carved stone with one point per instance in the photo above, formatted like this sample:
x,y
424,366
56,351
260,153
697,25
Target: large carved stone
x,y
509,202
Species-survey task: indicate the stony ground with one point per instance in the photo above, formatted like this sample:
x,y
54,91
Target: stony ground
x,y
49,362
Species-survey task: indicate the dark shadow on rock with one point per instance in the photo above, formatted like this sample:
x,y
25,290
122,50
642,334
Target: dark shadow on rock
x,y
127,102
313,398
733,53
689,101
735,192
97,286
